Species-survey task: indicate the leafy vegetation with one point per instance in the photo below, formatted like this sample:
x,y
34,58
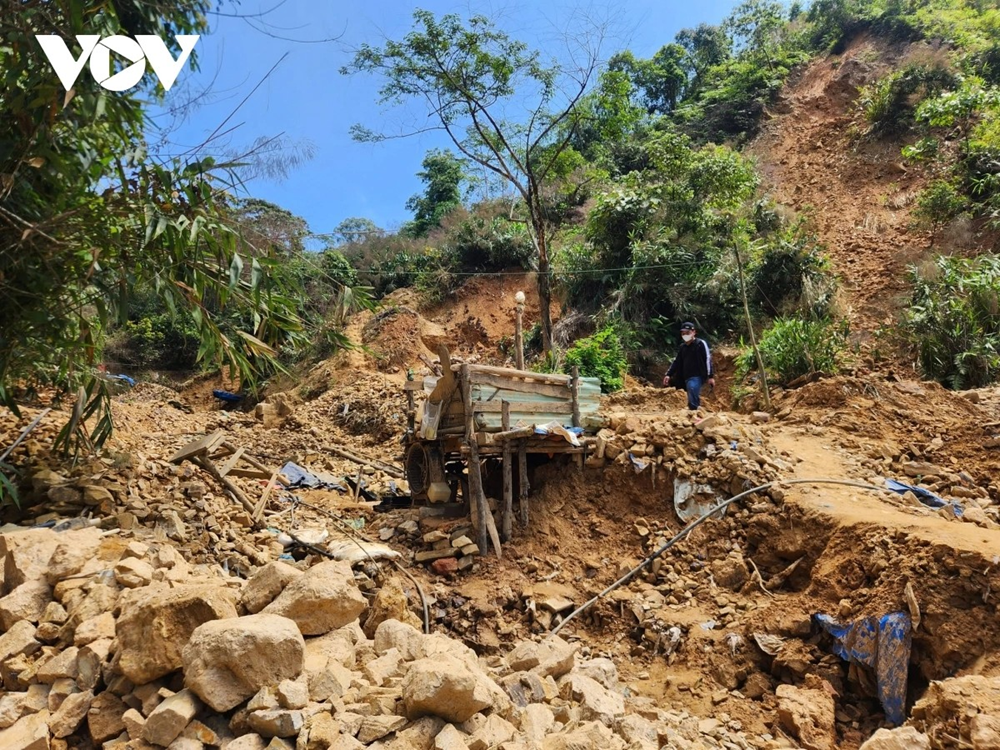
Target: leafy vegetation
x,y
793,347
600,356
954,320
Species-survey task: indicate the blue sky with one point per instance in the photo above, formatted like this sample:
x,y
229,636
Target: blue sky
x,y
310,102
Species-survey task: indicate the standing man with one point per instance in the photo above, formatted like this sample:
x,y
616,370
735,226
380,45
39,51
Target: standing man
x,y
692,367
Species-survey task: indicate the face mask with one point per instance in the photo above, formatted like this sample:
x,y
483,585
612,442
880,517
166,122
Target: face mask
x,y
687,336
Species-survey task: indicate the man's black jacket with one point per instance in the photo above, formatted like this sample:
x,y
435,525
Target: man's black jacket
x,y
692,360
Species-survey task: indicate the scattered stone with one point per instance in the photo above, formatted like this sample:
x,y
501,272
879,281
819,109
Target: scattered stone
x,y
808,713
264,585
276,722
169,719
28,733
104,719
376,727
70,714
325,597
443,686
227,661
156,623
391,603
901,738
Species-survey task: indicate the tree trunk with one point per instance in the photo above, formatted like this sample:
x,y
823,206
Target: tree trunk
x,y
544,278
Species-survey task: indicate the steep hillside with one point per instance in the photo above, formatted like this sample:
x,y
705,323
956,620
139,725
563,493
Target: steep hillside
x,y
858,191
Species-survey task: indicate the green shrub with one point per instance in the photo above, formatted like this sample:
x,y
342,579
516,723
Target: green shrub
x,y
793,347
600,356
939,202
482,244
954,320
792,275
889,104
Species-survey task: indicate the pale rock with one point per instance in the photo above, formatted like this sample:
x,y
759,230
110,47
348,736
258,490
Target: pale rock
x,y
319,732
589,736
266,698
203,733
248,742
417,736
376,727
537,721
901,738
156,623
63,665
18,639
325,597
74,551
227,661
443,686
104,719
27,602
133,573
59,690
95,629
450,738
55,613
293,694
169,719
403,637
390,603
90,662
330,682
984,732
494,731
276,722
27,733
808,713
344,742
99,599
597,703
265,584
602,670
70,714
26,554
381,669
188,743
639,731
553,657
134,722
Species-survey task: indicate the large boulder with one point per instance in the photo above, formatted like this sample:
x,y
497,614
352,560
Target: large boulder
x,y
808,713
590,736
28,733
228,661
26,554
264,585
597,703
390,604
444,686
156,623
406,639
901,738
323,599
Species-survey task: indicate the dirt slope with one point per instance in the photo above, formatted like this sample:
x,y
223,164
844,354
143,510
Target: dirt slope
x,y
859,193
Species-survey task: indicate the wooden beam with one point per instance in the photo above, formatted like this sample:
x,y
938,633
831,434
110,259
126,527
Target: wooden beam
x,y
526,407
575,394
262,503
249,473
506,435
233,490
231,461
199,447
519,386
506,522
507,372
522,467
475,470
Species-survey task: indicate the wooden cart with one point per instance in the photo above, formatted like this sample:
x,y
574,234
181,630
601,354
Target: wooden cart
x,y
475,418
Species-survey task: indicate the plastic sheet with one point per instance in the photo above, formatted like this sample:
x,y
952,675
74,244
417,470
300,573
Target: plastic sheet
x,y
883,644
924,495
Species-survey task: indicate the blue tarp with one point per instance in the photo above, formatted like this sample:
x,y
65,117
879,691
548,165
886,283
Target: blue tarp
x,y
923,494
882,643
124,379
231,398
300,478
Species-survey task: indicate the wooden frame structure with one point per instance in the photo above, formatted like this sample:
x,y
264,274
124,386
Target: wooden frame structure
x,y
470,430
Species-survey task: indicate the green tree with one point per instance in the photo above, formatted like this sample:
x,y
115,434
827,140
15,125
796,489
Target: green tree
x,y
472,76
706,47
662,79
443,174
86,218
355,229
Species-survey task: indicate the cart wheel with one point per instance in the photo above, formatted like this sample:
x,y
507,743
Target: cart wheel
x,y
424,467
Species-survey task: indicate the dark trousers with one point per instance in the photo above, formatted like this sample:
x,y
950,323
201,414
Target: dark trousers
x,y
693,388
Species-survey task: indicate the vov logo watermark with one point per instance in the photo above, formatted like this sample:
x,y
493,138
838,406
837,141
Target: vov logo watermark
x,y
138,51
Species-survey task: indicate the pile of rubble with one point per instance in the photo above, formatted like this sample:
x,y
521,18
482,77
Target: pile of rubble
x,y
715,450
126,645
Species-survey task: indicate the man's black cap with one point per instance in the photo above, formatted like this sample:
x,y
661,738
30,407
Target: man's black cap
x,y
687,326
